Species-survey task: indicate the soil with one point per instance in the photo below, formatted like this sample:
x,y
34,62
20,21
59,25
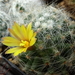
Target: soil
x,y
52,1
69,7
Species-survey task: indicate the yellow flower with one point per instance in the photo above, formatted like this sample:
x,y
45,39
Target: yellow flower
x,y
22,38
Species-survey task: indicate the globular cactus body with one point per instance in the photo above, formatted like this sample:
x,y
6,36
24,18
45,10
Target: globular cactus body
x,y
5,23
53,51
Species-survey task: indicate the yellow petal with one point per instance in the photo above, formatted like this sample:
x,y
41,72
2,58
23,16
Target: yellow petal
x,y
16,26
16,50
19,51
33,40
29,27
17,30
13,33
25,49
10,41
34,34
12,50
24,32
30,35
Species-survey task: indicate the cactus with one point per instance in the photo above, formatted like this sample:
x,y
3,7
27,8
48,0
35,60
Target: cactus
x,y
5,5
21,10
4,24
53,53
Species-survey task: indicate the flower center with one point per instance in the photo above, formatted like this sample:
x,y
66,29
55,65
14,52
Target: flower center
x,y
24,43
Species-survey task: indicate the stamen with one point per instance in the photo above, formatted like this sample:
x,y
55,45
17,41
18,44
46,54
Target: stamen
x,y
24,43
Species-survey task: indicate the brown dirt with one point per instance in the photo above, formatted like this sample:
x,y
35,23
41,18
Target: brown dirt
x,y
69,6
